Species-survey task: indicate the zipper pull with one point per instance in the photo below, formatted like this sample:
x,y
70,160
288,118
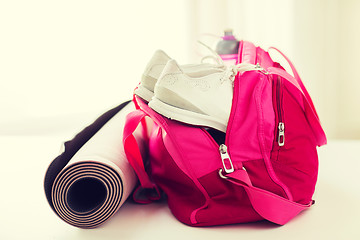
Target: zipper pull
x,y
225,158
281,135
261,69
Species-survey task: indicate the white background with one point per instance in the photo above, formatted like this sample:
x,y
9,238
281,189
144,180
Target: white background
x,y
64,62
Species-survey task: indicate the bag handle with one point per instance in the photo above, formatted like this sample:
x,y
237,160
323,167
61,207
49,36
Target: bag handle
x,y
298,79
270,206
247,53
147,191
307,105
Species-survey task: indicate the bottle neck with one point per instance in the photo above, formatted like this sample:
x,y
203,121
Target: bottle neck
x,y
228,37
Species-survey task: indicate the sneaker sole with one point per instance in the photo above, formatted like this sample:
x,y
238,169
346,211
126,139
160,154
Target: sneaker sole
x,y
185,116
144,93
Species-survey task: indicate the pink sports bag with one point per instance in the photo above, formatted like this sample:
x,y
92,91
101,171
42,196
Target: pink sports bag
x,y
266,168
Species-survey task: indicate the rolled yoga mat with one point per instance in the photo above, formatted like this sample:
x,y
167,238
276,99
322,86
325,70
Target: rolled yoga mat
x,y
90,181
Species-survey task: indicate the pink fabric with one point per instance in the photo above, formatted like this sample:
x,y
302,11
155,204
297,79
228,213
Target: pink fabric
x,y
248,53
269,182
269,205
226,57
252,99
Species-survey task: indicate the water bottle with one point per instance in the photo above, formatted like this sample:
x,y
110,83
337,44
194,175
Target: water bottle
x,y
227,47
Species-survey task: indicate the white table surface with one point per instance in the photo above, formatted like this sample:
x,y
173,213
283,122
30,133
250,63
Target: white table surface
x,y
25,213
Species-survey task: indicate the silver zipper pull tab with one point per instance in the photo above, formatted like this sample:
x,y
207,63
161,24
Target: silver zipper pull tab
x,y
281,135
261,69
225,158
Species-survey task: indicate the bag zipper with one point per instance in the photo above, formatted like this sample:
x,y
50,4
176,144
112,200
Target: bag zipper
x,y
281,125
228,166
223,149
225,152
225,158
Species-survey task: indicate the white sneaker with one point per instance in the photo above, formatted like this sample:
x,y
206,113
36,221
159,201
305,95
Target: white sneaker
x,y
154,68
204,100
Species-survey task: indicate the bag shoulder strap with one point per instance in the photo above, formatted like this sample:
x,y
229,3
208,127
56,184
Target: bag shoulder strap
x,y
305,103
270,206
147,191
298,79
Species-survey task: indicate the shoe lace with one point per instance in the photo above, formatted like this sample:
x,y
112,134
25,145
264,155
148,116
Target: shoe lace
x,y
214,55
232,70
